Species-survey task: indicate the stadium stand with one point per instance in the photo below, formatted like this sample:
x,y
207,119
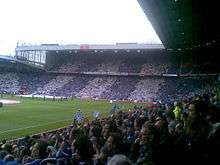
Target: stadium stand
x,y
146,89
109,63
56,83
183,127
183,122
76,84
165,89
121,88
96,87
9,83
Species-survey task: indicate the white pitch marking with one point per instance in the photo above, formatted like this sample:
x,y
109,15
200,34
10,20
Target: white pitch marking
x,y
7,102
17,129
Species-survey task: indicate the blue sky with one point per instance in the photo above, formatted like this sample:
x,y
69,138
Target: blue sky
x,y
72,22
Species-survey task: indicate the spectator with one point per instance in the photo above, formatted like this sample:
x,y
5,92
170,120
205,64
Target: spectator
x,y
119,160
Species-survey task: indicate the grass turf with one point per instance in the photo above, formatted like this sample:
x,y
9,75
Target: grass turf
x,y
33,116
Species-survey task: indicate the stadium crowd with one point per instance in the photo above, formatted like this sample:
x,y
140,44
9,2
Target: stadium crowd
x,y
185,132
114,67
113,63
165,89
8,82
182,128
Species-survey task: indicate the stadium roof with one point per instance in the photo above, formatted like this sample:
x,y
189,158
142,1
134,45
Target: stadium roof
x,y
119,46
183,23
7,58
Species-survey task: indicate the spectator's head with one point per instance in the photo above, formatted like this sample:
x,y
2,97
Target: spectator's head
x,y
74,133
197,127
2,154
94,131
83,146
171,127
119,160
9,158
39,150
24,152
61,161
199,107
7,147
147,133
26,159
176,103
106,130
114,141
138,123
161,124
179,128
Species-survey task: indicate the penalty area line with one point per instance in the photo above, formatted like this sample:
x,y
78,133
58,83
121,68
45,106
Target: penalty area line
x,y
33,126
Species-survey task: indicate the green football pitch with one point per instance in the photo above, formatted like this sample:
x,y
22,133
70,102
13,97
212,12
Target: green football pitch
x,y
32,116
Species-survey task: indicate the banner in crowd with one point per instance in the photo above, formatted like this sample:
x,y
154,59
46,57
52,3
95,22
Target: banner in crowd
x,y
95,114
78,117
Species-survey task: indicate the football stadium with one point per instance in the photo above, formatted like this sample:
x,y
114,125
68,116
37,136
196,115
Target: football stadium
x,y
112,103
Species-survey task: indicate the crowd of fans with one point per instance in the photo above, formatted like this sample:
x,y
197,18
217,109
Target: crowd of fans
x,y
138,64
121,89
74,86
54,84
182,128
33,81
146,89
154,69
9,82
115,67
184,87
12,82
96,87
164,89
185,132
